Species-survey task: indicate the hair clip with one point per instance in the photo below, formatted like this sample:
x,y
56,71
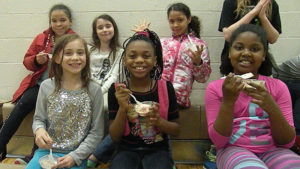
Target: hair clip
x,y
143,33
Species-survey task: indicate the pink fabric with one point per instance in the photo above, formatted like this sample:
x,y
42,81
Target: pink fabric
x,y
179,68
143,33
251,126
163,108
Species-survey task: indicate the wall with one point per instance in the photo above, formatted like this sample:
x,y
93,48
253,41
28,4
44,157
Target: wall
x,y
22,20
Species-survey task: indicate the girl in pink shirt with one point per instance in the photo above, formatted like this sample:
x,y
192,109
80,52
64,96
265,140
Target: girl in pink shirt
x,y
185,55
251,127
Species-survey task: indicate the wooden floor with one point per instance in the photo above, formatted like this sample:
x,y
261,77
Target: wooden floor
x,y
179,166
22,146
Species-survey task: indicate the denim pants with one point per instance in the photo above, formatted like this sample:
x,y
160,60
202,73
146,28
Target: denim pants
x,y
142,159
105,149
22,108
294,88
34,162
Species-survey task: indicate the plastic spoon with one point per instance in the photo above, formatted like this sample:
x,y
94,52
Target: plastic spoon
x,y
51,158
243,76
137,102
192,45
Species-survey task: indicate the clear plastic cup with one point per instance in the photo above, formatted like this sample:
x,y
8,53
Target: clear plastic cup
x,y
46,162
143,111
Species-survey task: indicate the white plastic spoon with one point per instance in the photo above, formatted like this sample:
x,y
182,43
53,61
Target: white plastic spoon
x,y
51,158
137,102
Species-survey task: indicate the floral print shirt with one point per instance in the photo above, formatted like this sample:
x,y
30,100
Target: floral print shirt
x,y
179,68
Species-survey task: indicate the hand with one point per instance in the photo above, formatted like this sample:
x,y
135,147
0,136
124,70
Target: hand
x,y
42,139
196,56
231,88
155,118
258,7
64,162
261,96
142,26
262,13
41,57
122,95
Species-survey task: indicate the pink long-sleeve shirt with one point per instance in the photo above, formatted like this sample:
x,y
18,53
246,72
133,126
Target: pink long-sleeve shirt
x,y
179,68
251,125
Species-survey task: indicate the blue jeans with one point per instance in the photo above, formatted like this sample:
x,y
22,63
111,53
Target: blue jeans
x,y
34,162
294,88
142,159
105,149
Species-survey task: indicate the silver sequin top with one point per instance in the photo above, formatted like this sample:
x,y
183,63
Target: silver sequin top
x,y
73,119
69,115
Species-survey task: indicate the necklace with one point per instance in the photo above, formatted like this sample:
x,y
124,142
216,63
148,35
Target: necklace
x,y
53,42
150,86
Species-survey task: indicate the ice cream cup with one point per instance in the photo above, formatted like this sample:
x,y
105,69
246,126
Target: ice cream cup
x,y
46,162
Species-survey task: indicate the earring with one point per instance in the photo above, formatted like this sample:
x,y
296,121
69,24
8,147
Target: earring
x,y
155,73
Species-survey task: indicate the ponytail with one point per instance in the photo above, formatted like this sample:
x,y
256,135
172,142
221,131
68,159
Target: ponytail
x,y
195,26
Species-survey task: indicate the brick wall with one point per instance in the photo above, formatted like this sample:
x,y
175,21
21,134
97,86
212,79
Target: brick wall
x,y
22,20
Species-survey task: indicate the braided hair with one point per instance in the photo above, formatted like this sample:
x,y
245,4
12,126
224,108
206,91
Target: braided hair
x,y
151,38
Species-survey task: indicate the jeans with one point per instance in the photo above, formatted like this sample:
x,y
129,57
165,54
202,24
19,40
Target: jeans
x,y
294,88
142,159
34,163
23,107
105,149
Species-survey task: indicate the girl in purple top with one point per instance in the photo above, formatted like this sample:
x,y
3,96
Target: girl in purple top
x,y
251,127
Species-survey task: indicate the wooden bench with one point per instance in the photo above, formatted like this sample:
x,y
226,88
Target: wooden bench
x,y
22,141
25,128
193,141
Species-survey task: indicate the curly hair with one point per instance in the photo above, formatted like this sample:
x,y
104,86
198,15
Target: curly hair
x,y
266,66
154,41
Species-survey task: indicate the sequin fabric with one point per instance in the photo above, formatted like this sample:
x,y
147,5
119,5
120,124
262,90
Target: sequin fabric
x,y
69,118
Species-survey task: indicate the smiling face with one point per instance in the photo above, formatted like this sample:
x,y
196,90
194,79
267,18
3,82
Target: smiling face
x,y
60,23
139,59
74,58
178,22
105,30
247,53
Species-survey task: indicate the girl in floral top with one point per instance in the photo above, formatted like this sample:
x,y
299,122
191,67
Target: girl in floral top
x,y
185,55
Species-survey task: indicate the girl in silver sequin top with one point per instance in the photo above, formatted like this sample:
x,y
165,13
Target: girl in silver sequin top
x,y
68,116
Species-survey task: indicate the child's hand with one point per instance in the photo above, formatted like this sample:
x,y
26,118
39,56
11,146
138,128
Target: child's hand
x,y
196,55
262,13
122,95
261,96
231,88
64,162
141,27
42,139
155,118
259,6
41,58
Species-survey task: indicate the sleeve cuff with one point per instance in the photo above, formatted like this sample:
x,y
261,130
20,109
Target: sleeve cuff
x,y
74,156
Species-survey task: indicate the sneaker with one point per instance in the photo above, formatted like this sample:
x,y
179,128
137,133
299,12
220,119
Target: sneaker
x,y
211,154
209,165
91,163
23,161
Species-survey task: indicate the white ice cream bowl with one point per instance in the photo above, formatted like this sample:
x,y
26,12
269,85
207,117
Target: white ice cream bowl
x,y
46,162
